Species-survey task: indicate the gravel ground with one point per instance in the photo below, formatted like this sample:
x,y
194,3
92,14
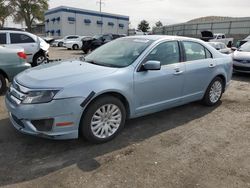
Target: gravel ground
x,y
63,53
189,146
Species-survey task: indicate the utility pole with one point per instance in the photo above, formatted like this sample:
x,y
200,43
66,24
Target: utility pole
x,y
101,3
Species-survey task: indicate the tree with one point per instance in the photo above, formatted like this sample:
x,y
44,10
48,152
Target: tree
x,y
158,24
29,11
143,26
5,11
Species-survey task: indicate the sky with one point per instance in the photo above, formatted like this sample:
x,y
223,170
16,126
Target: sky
x,y
167,11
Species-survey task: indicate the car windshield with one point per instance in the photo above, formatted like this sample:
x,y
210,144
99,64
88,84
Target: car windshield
x,y
245,47
118,53
97,36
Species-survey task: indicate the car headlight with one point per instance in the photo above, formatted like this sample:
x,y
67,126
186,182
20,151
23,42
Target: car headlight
x,y
36,97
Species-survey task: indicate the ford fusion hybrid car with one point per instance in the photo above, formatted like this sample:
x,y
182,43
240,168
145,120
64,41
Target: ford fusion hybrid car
x,y
126,78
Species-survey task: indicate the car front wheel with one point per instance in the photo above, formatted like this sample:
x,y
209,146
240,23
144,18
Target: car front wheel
x,y
103,120
3,84
38,60
214,92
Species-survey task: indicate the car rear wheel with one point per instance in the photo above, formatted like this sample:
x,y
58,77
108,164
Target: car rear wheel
x,y
103,120
75,47
3,84
214,92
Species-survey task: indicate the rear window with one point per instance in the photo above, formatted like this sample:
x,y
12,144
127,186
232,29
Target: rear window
x,y
17,38
3,38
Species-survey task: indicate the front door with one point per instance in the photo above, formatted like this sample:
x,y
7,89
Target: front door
x,y
160,89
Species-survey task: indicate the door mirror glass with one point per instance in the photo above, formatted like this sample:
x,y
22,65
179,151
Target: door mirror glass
x,y
152,65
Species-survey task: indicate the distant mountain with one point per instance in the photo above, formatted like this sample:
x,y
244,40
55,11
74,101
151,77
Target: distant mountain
x,y
210,19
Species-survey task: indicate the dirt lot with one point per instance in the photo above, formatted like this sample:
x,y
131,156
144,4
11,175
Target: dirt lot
x,y
189,146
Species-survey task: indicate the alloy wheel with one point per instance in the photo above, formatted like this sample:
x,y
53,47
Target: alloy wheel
x,y
106,121
215,92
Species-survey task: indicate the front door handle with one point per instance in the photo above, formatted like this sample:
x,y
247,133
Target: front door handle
x,y
178,71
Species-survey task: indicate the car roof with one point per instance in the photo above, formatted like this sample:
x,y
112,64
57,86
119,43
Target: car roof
x,y
163,37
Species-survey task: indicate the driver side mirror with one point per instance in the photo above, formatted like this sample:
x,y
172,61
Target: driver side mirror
x,y
152,65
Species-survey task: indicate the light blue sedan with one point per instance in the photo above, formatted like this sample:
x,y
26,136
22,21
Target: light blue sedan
x,y
127,78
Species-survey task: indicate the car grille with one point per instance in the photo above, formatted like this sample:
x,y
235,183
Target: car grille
x,y
16,93
242,61
239,68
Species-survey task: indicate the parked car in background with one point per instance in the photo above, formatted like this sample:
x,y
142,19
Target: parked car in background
x,y
91,44
241,42
126,78
75,44
35,47
241,59
13,60
59,42
221,47
208,36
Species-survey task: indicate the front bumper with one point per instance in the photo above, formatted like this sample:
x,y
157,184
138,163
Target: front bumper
x,y
69,110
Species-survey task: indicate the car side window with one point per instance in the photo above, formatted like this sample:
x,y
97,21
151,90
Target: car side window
x,y
17,38
3,38
194,51
107,38
167,53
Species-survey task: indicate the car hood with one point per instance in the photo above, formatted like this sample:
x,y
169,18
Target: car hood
x,y
241,55
62,74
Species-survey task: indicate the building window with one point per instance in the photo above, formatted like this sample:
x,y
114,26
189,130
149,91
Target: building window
x,y
87,21
71,19
58,32
53,20
99,22
58,19
47,21
52,32
121,26
111,24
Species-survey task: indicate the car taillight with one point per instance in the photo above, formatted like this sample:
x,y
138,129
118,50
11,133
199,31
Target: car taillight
x,y
22,55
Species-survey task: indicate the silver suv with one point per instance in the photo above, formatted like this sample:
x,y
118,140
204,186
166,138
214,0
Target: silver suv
x,y
35,47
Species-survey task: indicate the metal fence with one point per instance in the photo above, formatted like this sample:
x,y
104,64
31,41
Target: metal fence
x,y
237,28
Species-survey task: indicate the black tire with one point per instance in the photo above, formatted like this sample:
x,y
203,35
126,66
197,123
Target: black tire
x,y
3,84
60,44
37,60
207,100
85,125
75,47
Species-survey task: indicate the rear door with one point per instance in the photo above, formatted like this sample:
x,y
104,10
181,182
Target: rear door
x,y
200,69
25,41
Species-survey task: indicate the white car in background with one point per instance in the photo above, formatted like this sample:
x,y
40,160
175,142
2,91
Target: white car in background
x,y
59,42
75,44
221,47
35,47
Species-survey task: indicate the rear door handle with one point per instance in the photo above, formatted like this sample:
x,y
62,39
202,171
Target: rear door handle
x,y
212,65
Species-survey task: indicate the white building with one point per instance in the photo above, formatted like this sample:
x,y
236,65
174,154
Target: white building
x,y
62,21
